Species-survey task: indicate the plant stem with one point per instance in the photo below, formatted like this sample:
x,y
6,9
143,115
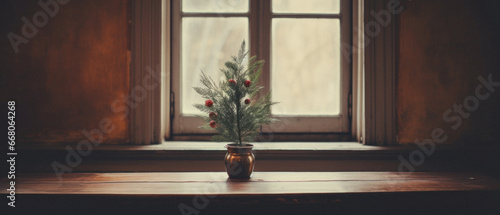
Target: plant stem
x,y
237,101
238,107
238,122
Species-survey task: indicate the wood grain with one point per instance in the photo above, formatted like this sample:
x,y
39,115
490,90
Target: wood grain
x,y
261,183
265,193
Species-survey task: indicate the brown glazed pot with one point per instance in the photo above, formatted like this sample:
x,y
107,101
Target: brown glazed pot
x,y
239,160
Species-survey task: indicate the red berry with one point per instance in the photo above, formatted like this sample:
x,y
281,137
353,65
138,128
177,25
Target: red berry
x,y
247,83
212,124
232,81
212,115
209,103
247,101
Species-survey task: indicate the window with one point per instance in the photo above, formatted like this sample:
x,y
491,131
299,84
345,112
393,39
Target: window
x,y
373,73
300,42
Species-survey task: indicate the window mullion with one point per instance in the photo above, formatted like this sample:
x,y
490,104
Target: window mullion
x,y
253,28
264,42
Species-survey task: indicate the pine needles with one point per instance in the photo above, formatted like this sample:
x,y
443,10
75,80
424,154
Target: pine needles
x,y
231,107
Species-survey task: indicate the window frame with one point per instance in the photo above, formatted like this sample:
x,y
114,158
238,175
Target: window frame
x,y
374,87
149,71
260,18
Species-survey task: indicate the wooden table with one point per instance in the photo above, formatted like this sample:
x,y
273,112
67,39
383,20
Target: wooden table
x,y
265,192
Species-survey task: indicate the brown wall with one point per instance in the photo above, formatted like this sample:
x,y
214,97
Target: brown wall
x,y
444,45
66,77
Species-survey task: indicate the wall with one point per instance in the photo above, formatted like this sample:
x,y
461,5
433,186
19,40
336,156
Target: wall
x,y
67,75
443,47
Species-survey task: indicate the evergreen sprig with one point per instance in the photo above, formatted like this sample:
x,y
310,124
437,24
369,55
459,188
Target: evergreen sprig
x,y
230,116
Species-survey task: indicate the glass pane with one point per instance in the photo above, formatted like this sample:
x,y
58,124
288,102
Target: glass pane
x,y
305,70
215,6
309,6
207,43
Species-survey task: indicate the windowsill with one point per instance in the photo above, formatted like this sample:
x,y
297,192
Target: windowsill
x,y
275,156
205,149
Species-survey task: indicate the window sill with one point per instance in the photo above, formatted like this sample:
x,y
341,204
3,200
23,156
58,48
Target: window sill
x,y
205,149
275,156
214,150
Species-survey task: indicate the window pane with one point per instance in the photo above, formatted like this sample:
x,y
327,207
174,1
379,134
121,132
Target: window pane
x,y
215,6
207,43
309,6
305,70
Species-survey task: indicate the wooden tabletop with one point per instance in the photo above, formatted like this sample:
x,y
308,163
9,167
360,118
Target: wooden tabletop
x,y
265,193
261,183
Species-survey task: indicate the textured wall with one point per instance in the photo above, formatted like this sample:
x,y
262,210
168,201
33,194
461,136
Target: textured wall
x,y
68,74
444,46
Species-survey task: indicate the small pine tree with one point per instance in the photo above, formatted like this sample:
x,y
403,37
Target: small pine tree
x,y
231,108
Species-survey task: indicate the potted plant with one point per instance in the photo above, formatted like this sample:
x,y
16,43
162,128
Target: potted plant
x,y
234,110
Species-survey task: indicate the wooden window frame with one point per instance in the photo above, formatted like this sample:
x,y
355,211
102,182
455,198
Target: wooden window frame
x,y
327,125
150,64
260,18
373,75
